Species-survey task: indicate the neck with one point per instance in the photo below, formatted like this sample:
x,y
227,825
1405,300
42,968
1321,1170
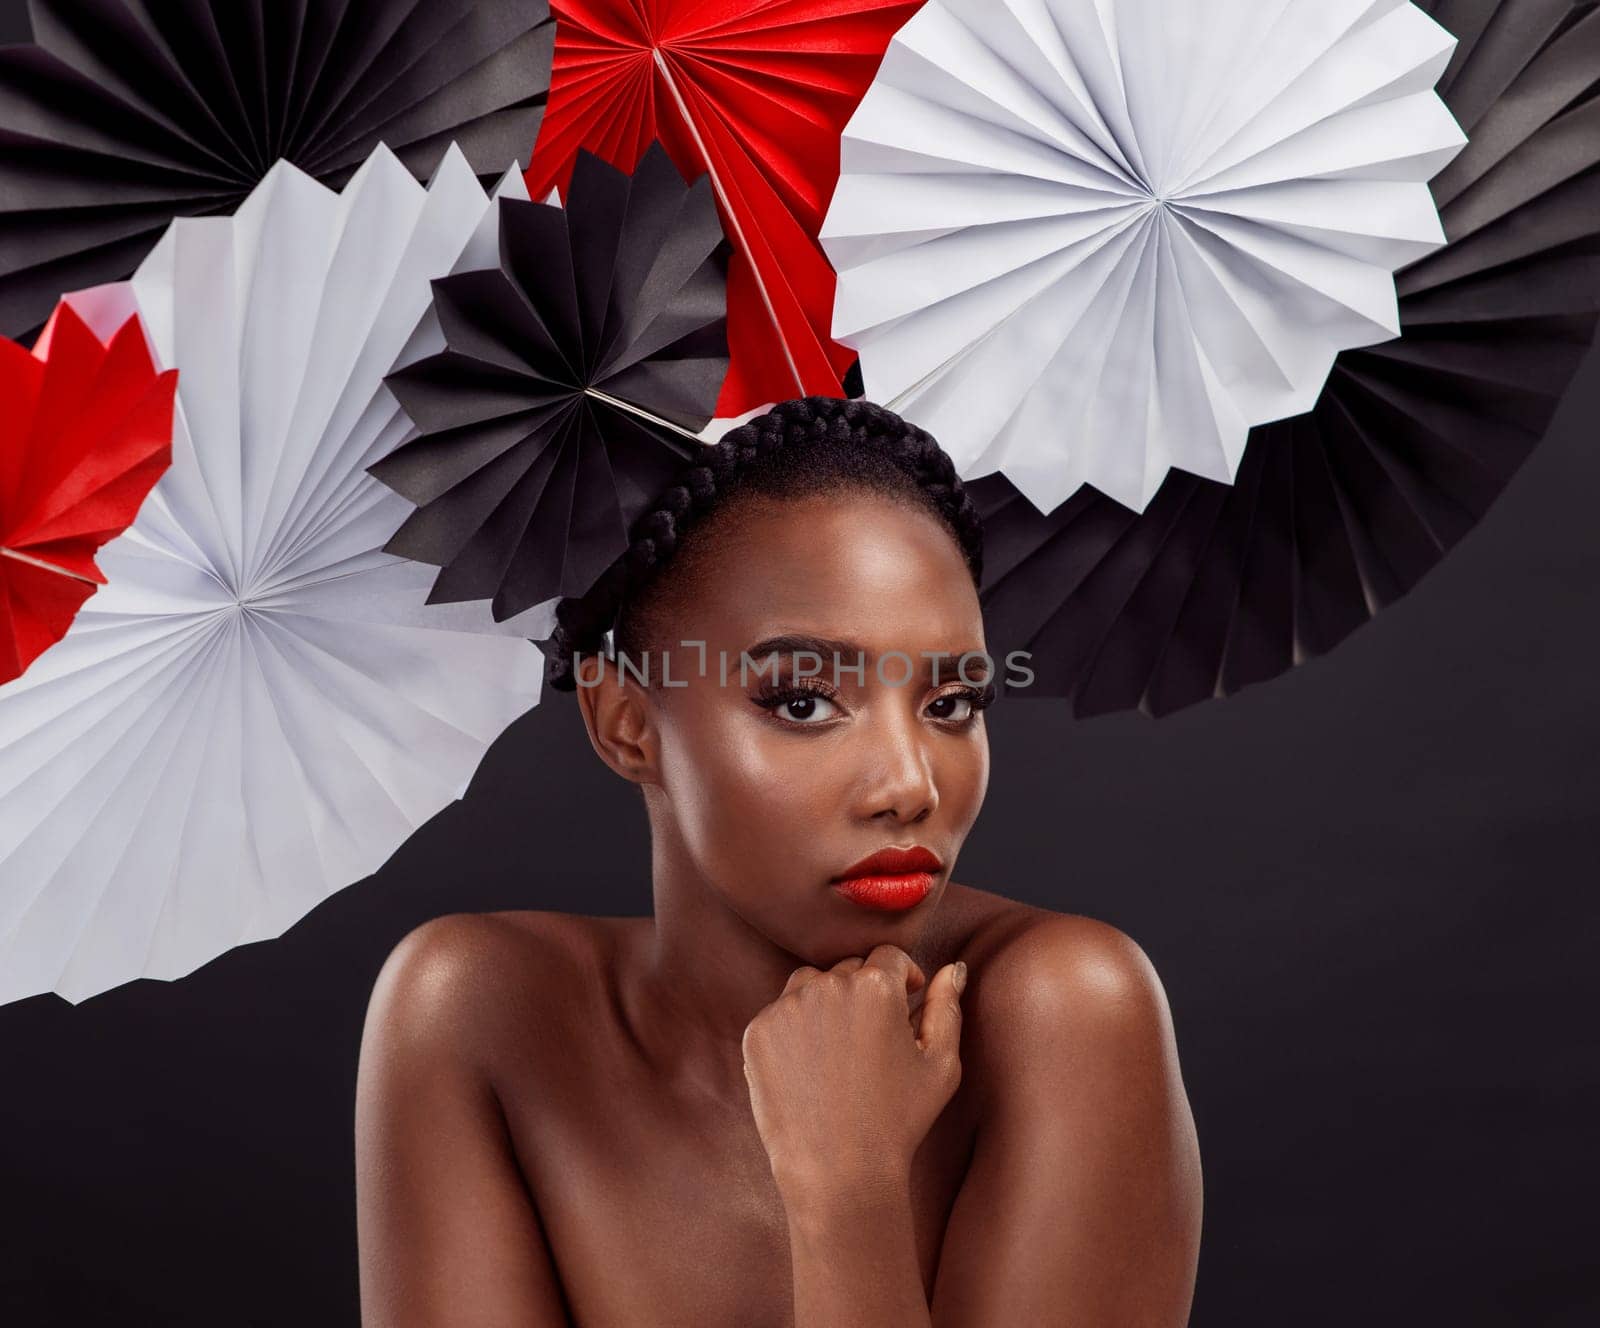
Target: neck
x,y
704,973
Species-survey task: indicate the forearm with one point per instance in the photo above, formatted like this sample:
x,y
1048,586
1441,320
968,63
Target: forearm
x,y
854,1256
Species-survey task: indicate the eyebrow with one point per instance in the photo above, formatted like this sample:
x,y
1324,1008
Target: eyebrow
x,y
791,643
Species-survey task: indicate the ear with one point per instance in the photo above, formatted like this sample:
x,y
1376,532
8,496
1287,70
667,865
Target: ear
x,y
619,718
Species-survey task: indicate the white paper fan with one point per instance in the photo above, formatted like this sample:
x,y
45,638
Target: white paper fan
x,y
1084,241
259,707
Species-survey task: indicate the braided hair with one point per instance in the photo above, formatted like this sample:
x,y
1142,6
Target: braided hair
x,y
812,445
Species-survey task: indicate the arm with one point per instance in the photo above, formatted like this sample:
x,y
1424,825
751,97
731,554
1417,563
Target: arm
x,y
854,1257
448,1233
843,1092
1082,1202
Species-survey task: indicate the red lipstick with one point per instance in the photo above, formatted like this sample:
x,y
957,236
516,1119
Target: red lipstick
x,y
891,879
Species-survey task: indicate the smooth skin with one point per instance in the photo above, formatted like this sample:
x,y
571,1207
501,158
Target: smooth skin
x,y
766,1106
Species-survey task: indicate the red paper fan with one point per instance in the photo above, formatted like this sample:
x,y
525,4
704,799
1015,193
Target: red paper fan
x,y
85,434
756,93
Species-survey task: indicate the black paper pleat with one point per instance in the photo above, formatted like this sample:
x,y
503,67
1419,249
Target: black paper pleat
x,y
526,473
123,114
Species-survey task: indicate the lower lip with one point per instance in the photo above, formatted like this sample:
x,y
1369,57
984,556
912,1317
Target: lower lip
x,y
888,894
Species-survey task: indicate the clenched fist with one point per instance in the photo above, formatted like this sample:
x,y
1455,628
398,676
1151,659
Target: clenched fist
x,y
845,1081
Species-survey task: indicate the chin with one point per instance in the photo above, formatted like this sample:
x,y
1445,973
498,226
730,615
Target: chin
x,y
860,929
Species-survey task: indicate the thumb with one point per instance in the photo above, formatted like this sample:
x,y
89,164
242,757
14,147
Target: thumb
x,y
941,1010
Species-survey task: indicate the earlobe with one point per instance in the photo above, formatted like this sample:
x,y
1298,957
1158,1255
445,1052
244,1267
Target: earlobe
x,y
618,721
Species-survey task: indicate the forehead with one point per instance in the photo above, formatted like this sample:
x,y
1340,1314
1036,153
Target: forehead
x,y
861,566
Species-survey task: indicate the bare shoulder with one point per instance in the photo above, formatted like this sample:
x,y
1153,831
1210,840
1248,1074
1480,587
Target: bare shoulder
x,y
461,982
448,1229
1079,990
1056,964
1086,1151
1069,1029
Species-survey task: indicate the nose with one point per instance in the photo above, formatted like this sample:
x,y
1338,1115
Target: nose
x,y
899,783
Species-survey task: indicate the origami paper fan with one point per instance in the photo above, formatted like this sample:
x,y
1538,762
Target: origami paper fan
x,y
258,707
85,432
1089,242
126,113
1338,513
574,377
754,93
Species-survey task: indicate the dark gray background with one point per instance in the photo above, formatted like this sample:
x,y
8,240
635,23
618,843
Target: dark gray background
x,y
1369,887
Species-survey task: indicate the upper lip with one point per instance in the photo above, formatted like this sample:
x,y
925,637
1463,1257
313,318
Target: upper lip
x,y
893,862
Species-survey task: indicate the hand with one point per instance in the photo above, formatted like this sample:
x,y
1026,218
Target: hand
x,y
843,1082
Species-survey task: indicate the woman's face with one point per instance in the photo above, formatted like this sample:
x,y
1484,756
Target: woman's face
x,y
774,783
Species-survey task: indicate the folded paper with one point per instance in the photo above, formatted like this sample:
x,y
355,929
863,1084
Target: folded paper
x,y
123,114
575,375
1336,514
85,432
1092,241
754,94
258,707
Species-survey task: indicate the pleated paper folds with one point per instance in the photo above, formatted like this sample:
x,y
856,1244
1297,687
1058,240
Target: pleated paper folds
x,y
1092,241
258,707
753,94
574,377
85,431
126,113
1337,513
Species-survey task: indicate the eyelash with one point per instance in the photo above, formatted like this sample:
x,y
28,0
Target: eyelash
x,y
771,698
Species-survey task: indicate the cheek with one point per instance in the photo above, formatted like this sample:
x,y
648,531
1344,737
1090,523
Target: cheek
x,y
968,783
743,798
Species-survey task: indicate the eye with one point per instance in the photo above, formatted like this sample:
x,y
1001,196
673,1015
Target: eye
x,y
963,704
798,705
807,707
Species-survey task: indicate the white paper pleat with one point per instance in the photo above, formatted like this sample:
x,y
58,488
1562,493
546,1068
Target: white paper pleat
x,y
259,706
1088,241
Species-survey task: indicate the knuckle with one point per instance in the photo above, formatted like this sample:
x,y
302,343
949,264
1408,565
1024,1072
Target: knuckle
x,y
820,986
878,979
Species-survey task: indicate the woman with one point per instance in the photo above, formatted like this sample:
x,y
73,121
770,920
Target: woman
x,y
824,1085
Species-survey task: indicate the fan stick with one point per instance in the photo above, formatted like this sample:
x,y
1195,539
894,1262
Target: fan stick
x,y
733,219
642,414
44,566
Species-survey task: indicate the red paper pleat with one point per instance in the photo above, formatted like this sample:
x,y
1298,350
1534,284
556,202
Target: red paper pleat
x,y
757,93
86,434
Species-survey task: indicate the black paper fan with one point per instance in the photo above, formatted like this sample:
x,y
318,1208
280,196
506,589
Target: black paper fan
x,y
123,114
575,377
1335,514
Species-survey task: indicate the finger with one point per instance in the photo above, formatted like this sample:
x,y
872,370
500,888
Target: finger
x,y
799,978
941,1011
897,962
914,1009
849,964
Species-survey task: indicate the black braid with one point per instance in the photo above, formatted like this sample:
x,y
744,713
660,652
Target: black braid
x,y
801,446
